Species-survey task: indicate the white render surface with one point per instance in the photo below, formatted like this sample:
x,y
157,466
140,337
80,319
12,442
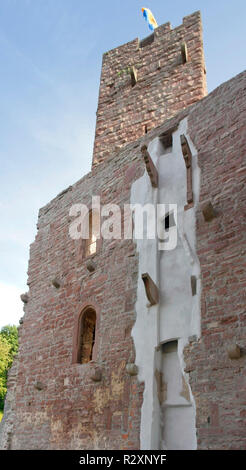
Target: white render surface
x,y
177,315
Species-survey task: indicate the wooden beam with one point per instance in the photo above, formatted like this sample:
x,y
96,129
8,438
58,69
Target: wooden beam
x,y
150,167
151,289
188,163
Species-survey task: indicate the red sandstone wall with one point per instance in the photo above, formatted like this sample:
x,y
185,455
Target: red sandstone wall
x,y
74,412
217,127
164,85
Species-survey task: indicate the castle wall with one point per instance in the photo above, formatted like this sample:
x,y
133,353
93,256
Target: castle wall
x,y
53,402
207,351
72,411
164,85
58,404
217,129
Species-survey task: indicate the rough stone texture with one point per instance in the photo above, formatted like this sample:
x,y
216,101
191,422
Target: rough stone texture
x,y
218,130
164,84
8,421
74,412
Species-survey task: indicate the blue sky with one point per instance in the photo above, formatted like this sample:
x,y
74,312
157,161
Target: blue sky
x,y
51,52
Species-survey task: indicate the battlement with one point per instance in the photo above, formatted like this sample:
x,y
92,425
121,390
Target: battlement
x,y
145,82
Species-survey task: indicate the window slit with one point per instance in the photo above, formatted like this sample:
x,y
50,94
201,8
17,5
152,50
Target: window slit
x,y
87,336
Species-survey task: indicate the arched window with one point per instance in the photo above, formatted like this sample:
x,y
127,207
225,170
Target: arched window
x,y
86,335
94,231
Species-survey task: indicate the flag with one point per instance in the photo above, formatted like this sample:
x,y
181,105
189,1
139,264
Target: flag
x,y
149,18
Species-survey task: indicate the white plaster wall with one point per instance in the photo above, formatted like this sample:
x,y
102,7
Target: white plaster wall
x,y
145,330
177,316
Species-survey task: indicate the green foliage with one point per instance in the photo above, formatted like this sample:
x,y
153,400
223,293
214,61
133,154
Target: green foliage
x,y
10,333
124,71
4,364
8,349
127,70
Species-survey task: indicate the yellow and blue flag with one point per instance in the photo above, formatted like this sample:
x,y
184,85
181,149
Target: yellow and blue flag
x,y
149,18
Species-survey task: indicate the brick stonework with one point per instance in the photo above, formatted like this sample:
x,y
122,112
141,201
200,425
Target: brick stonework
x,y
54,403
72,410
218,129
164,85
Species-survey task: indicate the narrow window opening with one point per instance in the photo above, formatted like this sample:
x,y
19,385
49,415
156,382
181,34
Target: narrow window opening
x,y
145,129
134,76
169,221
87,336
93,340
91,242
184,53
166,140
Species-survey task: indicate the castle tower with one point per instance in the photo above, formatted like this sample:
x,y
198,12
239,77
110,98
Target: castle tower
x,y
145,82
125,344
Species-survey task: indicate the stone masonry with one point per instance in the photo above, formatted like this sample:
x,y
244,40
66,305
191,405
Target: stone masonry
x,y
164,85
56,403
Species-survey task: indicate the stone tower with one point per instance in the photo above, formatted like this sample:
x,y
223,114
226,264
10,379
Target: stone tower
x,y
124,344
145,82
